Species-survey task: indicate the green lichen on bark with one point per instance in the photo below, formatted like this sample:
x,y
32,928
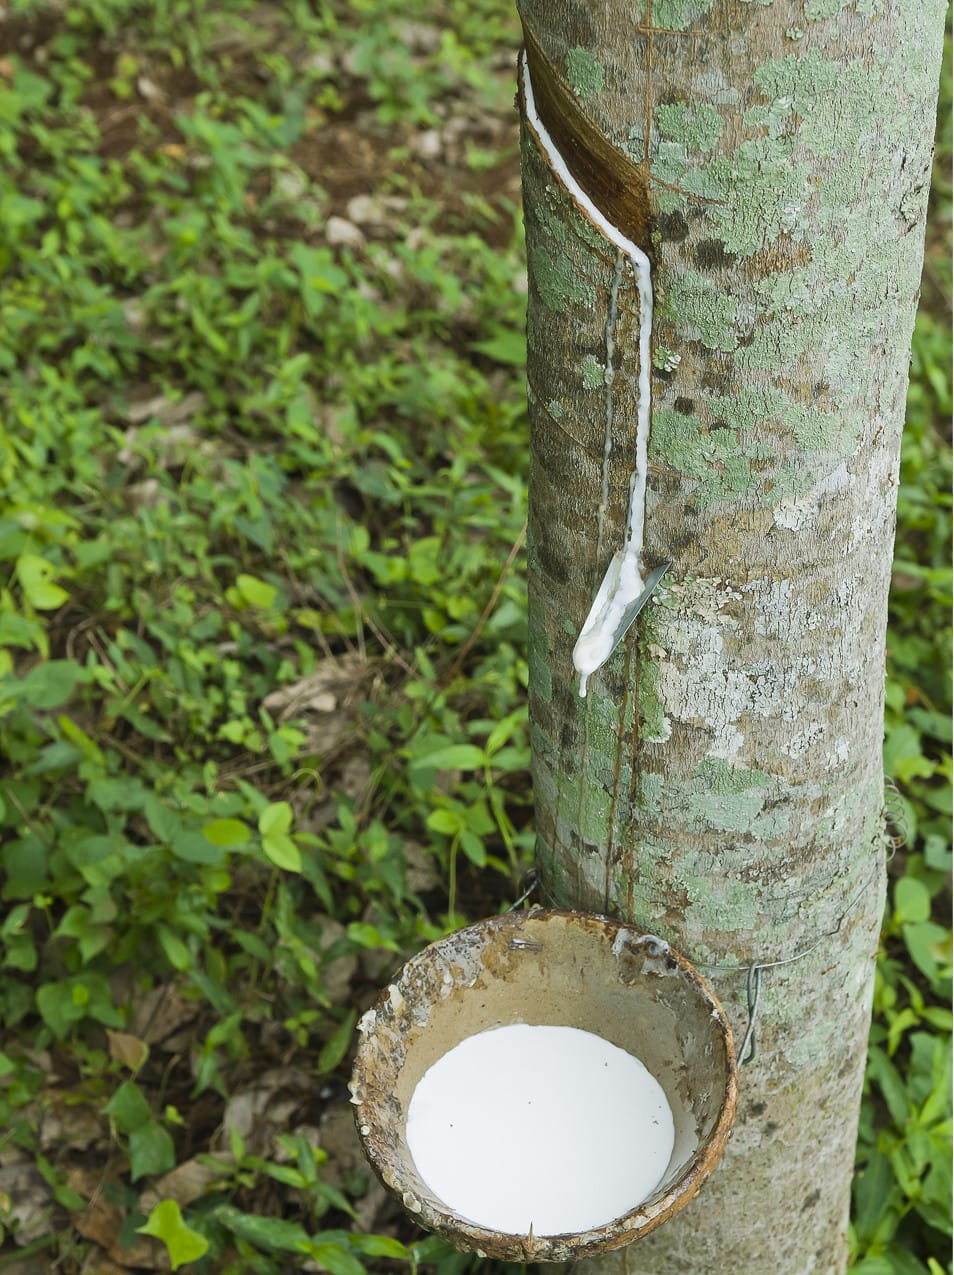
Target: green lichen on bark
x,y
555,282
583,72
697,127
593,373
707,312
678,15
711,457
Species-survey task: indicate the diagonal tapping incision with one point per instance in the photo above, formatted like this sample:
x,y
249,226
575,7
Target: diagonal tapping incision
x,y
623,584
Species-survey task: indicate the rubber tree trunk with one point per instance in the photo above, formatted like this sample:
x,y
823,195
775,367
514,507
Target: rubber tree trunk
x,y
721,782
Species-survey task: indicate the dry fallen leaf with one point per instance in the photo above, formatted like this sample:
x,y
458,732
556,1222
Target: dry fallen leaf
x,y
99,1221
29,1206
339,1140
322,701
161,1013
66,1124
33,1264
84,1181
269,1106
420,869
127,1049
185,1183
337,975
97,1263
166,410
146,1254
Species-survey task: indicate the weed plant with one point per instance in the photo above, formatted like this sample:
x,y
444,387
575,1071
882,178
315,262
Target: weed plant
x,y
262,622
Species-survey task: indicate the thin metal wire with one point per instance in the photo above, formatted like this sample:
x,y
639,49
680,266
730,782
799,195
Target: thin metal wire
x,y
748,1049
897,823
753,985
532,876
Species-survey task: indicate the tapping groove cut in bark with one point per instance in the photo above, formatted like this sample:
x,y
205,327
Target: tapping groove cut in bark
x,y
621,590
616,185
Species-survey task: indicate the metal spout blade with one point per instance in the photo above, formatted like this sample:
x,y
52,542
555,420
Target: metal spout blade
x,y
634,608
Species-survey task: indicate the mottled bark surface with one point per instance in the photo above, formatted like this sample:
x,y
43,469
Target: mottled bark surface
x,y
721,783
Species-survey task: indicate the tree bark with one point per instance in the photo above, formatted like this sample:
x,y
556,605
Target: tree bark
x,y
721,781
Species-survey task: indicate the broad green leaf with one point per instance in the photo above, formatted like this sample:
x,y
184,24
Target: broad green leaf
x,y
369,936
62,1193
151,1151
25,867
284,1173
125,794
473,847
936,1102
276,817
903,1261
255,592
336,1259
176,951
164,823
506,346
50,684
912,900
282,851
255,946
16,919
21,953
337,1044
446,821
335,1198
937,1186
226,832
450,757
937,853
78,923
267,1232
128,1108
84,995
928,944
939,1017
36,577
899,1025
192,847
58,756
908,1178
872,1190
432,1249
379,1246
873,1266
183,1244
59,1007
891,1084
903,755
505,728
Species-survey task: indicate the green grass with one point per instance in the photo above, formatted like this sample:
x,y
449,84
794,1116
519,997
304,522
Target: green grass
x,y
262,620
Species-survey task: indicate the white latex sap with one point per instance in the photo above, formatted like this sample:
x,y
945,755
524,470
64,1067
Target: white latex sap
x,y
545,1127
623,582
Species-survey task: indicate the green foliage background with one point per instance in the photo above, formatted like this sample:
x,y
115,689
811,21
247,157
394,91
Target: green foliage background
x,y
262,617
